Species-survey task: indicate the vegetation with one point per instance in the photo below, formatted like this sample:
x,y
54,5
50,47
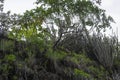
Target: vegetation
x,y
58,40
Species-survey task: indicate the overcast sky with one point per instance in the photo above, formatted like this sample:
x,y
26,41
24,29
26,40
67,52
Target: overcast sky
x,y
112,8
18,6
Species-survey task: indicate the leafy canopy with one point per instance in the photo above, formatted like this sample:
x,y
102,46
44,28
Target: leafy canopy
x,y
54,19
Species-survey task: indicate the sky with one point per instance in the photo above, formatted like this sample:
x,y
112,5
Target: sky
x,y
111,7
18,6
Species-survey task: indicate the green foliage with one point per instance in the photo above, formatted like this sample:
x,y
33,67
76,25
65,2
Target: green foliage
x,y
10,58
7,64
5,68
56,55
82,9
79,58
81,73
96,71
34,34
6,45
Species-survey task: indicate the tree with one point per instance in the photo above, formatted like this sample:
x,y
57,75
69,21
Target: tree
x,y
55,20
7,21
51,40
71,16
